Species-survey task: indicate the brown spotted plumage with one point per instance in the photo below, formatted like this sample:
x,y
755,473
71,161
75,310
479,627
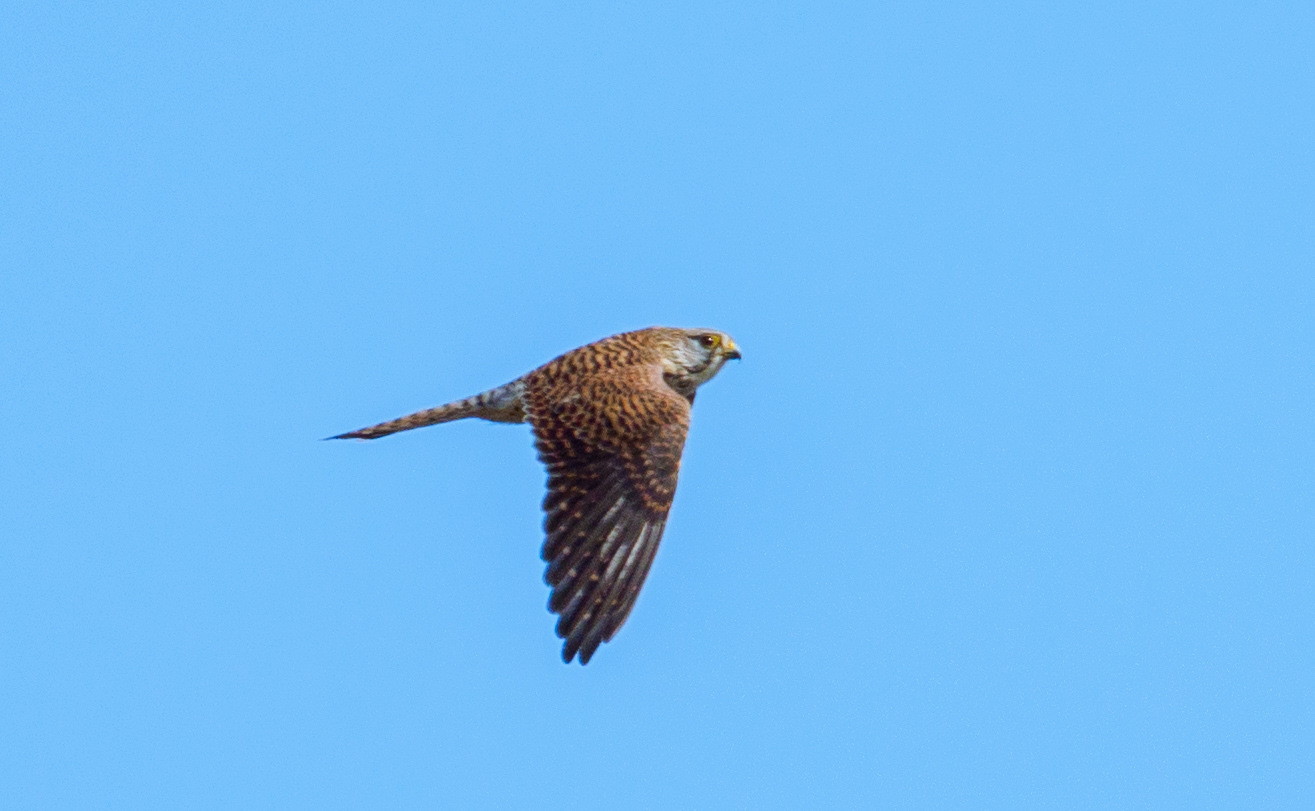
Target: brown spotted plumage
x,y
609,422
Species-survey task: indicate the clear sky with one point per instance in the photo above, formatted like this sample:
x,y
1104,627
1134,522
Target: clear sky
x,y
1009,504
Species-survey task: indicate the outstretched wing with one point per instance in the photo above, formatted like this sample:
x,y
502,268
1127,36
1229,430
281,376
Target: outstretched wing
x,y
613,455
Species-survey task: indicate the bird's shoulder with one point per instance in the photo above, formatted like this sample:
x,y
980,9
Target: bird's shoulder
x,y
611,390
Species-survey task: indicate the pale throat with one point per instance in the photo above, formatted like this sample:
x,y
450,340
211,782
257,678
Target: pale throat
x,y
680,378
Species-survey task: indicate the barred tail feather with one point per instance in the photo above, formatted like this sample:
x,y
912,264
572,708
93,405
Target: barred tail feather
x,y
502,404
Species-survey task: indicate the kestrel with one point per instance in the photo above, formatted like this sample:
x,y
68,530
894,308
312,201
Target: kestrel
x,y
609,422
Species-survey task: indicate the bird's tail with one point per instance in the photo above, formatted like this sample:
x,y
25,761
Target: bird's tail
x,y
503,404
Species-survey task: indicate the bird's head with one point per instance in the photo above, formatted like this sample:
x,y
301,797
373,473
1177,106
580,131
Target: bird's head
x,y
694,356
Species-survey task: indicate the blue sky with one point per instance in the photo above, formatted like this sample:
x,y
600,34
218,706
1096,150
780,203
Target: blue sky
x,y
1008,505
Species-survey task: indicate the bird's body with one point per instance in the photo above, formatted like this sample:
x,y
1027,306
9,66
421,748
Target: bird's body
x,y
609,421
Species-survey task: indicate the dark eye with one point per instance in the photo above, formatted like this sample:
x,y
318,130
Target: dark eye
x,y
708,341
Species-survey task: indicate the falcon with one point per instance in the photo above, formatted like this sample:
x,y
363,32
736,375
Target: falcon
x,y
609,422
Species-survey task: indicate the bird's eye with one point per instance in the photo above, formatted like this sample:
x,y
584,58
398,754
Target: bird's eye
x,y
708,341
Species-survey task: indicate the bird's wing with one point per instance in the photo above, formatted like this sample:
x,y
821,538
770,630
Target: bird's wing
x,y
612,448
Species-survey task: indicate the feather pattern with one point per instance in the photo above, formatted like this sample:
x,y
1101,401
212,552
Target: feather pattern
x,y
611,442
610,421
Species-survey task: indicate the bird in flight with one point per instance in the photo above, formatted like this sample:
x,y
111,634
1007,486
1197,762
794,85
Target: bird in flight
x,y
609,422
